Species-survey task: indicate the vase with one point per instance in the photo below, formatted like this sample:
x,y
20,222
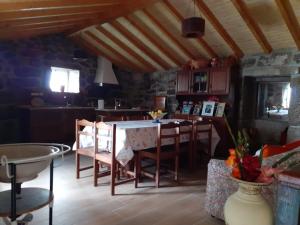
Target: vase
x,y
247,206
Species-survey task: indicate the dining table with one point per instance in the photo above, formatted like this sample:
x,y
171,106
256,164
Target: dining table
x,y
139,135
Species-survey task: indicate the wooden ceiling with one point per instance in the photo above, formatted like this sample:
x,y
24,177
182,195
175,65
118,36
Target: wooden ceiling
x,y
145,35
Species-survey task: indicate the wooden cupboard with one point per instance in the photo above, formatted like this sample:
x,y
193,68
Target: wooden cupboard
x,y
215,81
52,124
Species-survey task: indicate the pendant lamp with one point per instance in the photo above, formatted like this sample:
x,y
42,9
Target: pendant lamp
x,y
193,27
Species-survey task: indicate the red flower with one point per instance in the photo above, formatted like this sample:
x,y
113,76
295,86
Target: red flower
x,y
251,167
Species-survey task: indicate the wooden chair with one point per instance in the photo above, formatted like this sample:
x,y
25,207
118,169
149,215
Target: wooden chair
x,y
160,103
160,153
86,151
135,117
186,128
202,127
106,136
111,118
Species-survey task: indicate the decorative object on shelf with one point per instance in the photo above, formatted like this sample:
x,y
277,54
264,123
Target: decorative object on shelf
x,y
194,64
157,115
208,108
187,107
194,26
220,109
197,109
223,62
247,206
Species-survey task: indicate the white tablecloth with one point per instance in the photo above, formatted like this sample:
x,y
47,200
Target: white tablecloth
x,y
138,135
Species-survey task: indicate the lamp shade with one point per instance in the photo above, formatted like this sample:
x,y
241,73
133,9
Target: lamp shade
x,y
193,27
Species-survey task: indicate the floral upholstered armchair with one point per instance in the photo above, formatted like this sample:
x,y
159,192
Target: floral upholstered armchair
x,y
220,186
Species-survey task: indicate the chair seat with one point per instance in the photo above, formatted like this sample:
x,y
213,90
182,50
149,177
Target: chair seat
x,y
89,151
104,157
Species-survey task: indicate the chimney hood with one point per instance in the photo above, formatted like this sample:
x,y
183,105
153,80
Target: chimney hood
x,y
105,73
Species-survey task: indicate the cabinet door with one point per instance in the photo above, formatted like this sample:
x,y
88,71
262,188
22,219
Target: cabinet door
x,y
219,81
200,81
183,82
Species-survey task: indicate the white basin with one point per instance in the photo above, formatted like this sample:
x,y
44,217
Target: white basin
x,y
30,160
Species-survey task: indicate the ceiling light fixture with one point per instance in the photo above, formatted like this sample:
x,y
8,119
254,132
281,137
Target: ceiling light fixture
x,y
193,27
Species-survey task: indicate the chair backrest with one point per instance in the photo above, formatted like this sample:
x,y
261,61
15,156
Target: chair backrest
x,y
160,103
112,118
203,127
168,131
89,130
106,137
186,127
135,117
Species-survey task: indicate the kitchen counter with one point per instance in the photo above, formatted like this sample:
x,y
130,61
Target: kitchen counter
x,y
122,110
29,107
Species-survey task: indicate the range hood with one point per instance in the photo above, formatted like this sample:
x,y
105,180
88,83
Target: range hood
x,y
105,73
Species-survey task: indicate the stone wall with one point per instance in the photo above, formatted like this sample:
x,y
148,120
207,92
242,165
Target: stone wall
x,y
25,64
138,89
279,63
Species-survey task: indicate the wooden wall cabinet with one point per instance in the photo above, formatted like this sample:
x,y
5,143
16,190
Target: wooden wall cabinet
x,y
214,81
219,79
183,82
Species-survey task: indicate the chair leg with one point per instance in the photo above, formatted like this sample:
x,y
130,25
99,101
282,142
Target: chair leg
x,y
96,172
137,168
176,167
191,156
157,175
113,178
77,165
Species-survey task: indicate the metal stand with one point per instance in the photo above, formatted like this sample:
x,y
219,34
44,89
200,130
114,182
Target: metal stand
x,y
16,189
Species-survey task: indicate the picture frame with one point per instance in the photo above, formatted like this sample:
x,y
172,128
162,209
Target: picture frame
x,y
220,109
197,109
208,108
186,109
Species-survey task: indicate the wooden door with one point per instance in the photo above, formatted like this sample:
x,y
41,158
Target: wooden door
x,y
219,80
183,82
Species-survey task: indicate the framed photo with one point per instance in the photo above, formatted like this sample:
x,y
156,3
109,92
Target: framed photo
x,y
220,109
208,108
186,109
197,109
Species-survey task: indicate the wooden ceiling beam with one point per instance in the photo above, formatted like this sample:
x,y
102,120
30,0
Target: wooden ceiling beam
x,y
46,20
14,15
124,10
200,40
219,28
290,19
253,26
34,28
95,50
149,67
154,41
49,23
115,52
139,44
21,34
169,35
55,4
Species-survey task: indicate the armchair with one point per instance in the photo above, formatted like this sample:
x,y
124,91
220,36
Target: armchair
x,y
220,186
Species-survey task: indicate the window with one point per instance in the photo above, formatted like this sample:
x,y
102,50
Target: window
x,y
64,80
274,99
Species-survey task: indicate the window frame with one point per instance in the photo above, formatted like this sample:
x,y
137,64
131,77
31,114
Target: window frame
x,y
68,70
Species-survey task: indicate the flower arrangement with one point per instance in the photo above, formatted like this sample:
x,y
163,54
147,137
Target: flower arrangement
x,y
249,167
157,115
